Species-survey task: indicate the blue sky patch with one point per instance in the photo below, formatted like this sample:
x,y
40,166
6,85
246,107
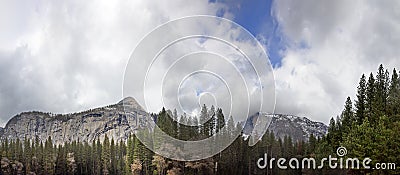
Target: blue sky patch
x,y
256,16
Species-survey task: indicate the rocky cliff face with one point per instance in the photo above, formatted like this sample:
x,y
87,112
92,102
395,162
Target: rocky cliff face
x,y
118,123
299,128
83,126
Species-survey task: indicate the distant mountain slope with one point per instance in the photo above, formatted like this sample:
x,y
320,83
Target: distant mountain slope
x,y
83,126
119,124
299,128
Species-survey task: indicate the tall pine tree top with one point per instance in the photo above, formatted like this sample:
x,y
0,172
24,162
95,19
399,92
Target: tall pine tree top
x,y
361,100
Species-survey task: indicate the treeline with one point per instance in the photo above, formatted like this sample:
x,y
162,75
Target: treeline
x,y
369,126
32,156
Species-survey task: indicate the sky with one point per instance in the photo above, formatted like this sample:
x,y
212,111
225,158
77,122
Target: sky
x,y
68,56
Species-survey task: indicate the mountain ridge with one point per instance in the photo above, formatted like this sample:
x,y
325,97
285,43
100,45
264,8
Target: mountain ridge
x,y
123,118
299,128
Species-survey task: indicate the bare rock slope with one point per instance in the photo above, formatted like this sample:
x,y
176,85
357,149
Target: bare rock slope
x,y
84,126
120,120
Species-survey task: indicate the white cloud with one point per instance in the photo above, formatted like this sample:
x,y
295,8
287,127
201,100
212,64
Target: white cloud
x,y
66,56
331,44
219,58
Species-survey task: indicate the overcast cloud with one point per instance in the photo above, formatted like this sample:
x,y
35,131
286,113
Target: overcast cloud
x,y
68,56
331,43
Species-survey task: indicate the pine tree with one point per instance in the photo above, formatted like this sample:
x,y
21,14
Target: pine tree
x,y
137,149
381,93
113,160
312,144
370,96
360,141
105,156
332,125
204,129
48,157
18,150
27,155
183,128
167,125
334,136
94,157
78,156
212,121
194,132
394,95
230,128
6,150
175,124
129,154
87,159
142,155
220,123
11,153
347,116
61,163
37,159
361,100
377,135
121,152
99,167
287,147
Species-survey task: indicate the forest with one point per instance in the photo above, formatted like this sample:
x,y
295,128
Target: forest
x,y
369,126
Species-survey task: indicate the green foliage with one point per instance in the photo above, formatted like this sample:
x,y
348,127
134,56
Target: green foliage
x,y
374,130
370,96
347,116
361,100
